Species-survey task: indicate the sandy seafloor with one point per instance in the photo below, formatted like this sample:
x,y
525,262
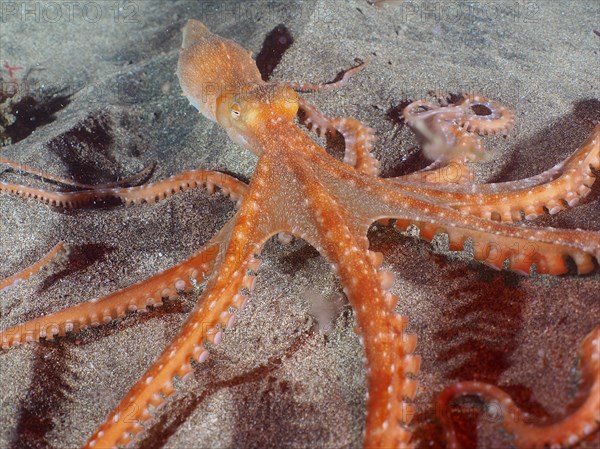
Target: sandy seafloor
x,y
105,101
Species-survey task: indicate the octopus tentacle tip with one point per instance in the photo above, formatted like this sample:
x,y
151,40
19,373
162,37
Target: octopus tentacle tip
x,y
58,255
566,432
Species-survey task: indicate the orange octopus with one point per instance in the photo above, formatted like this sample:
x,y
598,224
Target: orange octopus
x,y
298,189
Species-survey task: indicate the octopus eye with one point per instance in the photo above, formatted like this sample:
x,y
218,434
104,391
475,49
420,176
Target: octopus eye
x,y
235,111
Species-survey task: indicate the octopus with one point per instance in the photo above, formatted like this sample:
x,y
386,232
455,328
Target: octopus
x,y
299,190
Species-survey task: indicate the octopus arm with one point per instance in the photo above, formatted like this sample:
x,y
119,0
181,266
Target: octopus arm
x,y
451,133
451,136
391,366
226,292
581,160
358,138
137,297
495,243
566,432
344,77
53,255
562,186
369,199
134,195
133,179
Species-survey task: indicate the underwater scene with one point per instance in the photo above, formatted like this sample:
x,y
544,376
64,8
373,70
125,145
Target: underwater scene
x,y
315,224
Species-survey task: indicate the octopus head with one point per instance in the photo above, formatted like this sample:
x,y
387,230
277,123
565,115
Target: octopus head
x,y
249,111
209,65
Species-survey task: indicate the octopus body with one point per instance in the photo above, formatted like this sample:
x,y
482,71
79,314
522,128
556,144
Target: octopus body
x,y
298,189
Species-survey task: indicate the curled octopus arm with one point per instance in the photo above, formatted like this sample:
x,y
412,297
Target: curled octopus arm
x,y
451,135
358,138
149,193
136,298
566,432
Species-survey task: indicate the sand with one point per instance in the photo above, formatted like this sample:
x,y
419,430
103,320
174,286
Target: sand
x,y
105,101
